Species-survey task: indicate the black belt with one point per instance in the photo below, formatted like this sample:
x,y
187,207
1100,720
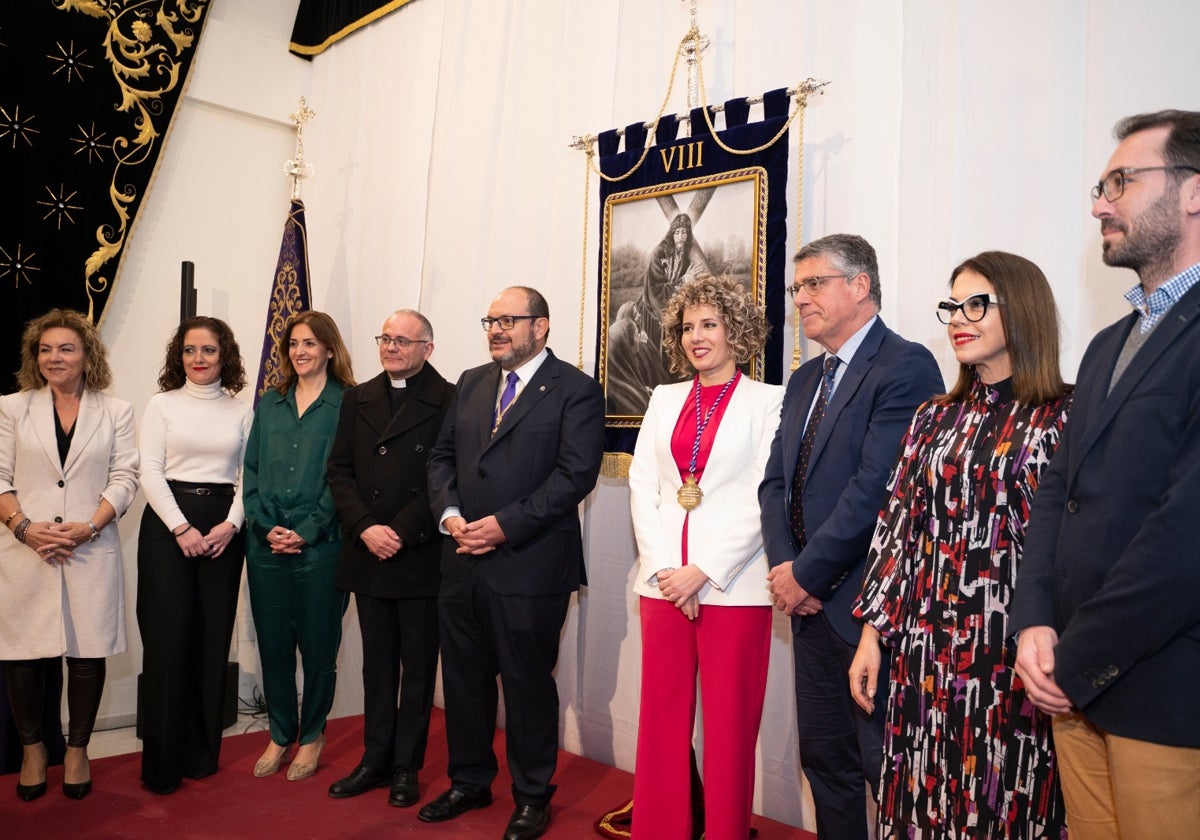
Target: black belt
x,y
201,489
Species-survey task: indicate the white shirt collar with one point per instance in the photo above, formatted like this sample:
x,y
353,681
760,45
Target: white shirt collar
x,y
526,371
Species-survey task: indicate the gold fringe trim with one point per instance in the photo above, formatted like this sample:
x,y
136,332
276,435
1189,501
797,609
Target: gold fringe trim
x,y
613,823
616,465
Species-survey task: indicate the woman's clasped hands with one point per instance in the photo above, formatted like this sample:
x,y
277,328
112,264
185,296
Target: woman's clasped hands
x,y
682,587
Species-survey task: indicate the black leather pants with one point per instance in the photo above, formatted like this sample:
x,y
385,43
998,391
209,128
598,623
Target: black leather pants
x,y
26,686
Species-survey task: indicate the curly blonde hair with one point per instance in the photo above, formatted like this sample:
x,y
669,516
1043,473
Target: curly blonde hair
x,y
746,327
97,375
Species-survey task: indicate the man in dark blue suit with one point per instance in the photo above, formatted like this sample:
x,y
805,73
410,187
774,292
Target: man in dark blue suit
x,y
844,414
519,450
1107,605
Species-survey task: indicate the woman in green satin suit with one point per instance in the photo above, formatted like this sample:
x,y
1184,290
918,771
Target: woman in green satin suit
x,y
293,539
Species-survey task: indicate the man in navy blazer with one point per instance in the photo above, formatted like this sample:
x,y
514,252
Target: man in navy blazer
x,y
519,450
1107,605
817,527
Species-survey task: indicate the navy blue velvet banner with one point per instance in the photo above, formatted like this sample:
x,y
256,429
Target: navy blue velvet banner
x,y
691,208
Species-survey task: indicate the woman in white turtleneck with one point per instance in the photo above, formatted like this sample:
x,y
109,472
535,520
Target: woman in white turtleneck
x,y
190,549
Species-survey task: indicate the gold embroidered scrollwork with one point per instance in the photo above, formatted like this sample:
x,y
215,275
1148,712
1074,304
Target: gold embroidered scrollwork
x,y
147,45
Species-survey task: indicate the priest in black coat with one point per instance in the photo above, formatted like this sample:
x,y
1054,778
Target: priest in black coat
x,y
389,560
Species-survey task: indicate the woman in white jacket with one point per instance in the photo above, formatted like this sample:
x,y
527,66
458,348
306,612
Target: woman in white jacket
x,y
68,470
702,571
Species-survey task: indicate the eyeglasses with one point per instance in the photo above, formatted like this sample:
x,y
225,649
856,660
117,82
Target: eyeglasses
x,y
506,322
398,341
812,285
1112,186
973,308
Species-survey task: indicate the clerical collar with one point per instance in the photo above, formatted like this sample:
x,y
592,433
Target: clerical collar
x,y
405,382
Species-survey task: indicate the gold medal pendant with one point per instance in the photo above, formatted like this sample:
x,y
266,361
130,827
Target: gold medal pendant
x,y
690,494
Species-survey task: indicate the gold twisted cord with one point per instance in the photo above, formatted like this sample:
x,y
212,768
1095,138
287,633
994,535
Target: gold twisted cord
x,y
583,272
590,165
653,130
801,101
796,354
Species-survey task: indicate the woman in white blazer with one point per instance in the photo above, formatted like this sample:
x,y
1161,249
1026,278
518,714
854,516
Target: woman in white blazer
x,y
702,570
68,469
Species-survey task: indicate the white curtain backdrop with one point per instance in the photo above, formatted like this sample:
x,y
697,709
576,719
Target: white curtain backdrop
x,y
444,173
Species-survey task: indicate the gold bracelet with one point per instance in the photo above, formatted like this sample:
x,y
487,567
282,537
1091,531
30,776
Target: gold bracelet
x,y
12,516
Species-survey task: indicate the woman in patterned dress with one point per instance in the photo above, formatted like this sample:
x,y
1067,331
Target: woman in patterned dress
x,y
965,752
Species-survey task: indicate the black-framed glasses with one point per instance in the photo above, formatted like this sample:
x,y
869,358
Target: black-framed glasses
x,y
1112,185
399,341
812,285
974,308
506,322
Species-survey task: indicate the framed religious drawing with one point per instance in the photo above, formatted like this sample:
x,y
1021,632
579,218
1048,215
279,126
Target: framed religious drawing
x,y
655,239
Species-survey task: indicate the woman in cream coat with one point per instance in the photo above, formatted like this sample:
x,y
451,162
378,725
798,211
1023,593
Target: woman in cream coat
x,y
68,469
702,570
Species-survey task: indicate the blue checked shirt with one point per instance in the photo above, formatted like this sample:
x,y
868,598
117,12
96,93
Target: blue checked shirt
x,y
1153,306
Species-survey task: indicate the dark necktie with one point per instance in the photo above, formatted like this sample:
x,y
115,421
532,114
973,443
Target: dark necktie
x,y
796,508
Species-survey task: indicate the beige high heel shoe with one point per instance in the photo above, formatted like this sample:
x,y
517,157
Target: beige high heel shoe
x,y
302,770
267,766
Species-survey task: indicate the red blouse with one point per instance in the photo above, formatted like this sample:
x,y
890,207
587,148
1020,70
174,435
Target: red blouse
x,y
684,436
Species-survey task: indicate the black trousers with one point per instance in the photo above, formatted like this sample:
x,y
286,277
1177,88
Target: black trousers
x,y
484,634
185,608
841,746
400,651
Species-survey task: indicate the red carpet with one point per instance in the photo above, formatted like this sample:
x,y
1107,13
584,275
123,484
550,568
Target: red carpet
x,y
233,804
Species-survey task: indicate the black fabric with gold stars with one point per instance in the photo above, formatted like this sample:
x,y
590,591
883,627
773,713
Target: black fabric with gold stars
x,y
87,92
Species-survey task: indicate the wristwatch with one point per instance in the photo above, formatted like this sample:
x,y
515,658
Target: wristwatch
x,y
95,531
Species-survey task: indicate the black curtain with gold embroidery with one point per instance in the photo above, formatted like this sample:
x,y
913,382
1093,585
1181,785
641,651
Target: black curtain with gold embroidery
x,y
88,89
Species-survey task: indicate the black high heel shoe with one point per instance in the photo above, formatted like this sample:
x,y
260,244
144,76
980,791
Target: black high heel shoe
x,y
74,791
31,792
77,790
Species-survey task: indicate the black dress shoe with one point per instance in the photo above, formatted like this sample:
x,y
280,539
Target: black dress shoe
x,y
404,792
31,792
527,822
361,779
454,803
77,790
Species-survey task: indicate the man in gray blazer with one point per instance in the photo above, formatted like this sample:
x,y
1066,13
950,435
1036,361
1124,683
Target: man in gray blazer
x,y
520,449
1107,606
